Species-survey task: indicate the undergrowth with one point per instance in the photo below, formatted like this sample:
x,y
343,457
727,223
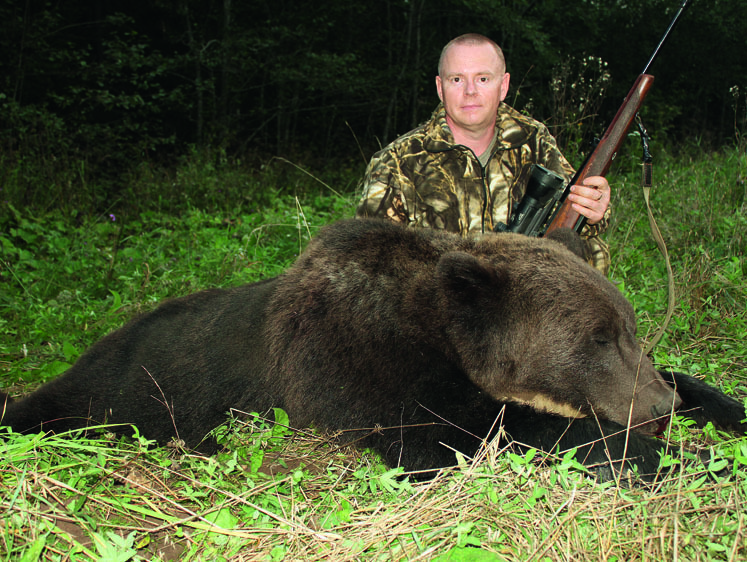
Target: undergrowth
x,y
281,493
700,204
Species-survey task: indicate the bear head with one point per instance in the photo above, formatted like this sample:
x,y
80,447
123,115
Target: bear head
x,y
567,335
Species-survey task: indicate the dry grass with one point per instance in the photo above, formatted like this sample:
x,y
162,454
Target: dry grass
x,y
328,504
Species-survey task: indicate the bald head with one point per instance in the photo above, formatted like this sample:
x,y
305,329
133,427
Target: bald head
x,y
471,39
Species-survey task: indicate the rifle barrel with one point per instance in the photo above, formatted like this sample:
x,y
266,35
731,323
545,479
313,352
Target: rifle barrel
x,y
666,34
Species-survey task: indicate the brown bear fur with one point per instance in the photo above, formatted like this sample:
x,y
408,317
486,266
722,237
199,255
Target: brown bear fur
x,y
420,341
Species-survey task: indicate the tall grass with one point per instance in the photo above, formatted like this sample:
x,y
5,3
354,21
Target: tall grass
x,y
700,204
274,493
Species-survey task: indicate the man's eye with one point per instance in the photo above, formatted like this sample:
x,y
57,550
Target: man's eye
x,y
484,79
456,79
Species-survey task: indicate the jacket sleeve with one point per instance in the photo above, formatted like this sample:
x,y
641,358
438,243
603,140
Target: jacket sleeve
x,y
384,188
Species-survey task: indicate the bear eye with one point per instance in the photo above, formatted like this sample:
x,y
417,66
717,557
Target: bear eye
x,y
601,337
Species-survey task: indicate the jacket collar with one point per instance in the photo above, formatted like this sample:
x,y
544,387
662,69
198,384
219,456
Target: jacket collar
x,y
511,133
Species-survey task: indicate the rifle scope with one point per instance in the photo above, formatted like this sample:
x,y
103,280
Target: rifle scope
x,y
543,186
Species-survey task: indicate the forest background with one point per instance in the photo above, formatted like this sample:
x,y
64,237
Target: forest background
x,y
95,95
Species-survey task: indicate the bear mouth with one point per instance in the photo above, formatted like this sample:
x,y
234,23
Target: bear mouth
x,y
654,426
659,425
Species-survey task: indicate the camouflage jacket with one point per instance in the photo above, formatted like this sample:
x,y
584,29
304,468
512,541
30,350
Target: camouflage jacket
x,y
423,179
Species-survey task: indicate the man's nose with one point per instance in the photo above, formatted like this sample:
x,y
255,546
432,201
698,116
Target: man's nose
x,y
471,88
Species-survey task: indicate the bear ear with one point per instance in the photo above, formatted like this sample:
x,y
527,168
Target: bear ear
x,y
571,240
466,277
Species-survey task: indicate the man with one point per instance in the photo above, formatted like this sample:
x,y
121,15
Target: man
x,y
467,167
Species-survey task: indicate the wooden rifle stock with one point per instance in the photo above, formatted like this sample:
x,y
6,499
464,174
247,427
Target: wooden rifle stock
x,y
598,162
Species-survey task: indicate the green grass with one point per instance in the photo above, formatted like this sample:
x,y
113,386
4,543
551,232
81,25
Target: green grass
x,y
279,492
701,208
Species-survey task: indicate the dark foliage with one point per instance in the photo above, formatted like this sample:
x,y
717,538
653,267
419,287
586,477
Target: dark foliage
x,y
110,84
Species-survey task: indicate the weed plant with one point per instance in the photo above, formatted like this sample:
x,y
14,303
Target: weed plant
x,y
281,493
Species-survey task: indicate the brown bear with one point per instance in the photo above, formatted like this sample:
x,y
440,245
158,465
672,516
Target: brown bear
x,y
419,341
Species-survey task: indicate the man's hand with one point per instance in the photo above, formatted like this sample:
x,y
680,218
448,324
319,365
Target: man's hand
x,y
591,199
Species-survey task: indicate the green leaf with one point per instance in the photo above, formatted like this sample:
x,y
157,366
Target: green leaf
x,y
282,423
53,369
32,553
116,303
113,548
717,465
256,460
70,352
278,553
223,518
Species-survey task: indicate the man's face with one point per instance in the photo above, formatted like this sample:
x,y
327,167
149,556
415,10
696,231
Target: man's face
x,y
472,84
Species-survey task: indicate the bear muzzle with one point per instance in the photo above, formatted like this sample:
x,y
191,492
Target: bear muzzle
x,y
655,404
665,406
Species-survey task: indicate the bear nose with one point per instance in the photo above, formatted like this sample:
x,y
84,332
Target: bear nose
x,y
665,406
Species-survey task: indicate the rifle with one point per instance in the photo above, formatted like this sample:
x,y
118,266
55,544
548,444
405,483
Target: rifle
x,y
545,192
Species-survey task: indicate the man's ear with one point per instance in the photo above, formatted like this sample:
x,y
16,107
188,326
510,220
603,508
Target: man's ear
x,y
466,278
571,240
505,81
439,88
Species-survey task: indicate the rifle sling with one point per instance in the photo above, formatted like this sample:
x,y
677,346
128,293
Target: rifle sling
x,y
646,183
